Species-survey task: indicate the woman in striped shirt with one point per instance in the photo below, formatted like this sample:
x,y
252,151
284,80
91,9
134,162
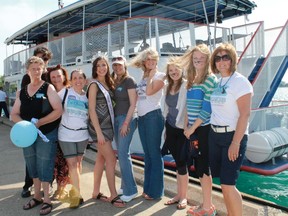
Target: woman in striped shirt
x,y
200,85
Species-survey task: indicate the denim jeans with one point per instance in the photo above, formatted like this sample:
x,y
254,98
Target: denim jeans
x,y
40,157
150,128
128,183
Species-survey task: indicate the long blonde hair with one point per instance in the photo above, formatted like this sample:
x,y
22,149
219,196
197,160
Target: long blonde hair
x,y
187,63
175,61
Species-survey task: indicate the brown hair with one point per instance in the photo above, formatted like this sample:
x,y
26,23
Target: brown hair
x,y
231,51
64,73
46,54
79,71
108,78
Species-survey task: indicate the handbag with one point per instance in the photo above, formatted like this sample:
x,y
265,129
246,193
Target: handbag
x,y
46,107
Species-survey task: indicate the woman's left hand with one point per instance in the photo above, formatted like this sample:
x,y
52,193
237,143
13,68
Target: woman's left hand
x,y
233,151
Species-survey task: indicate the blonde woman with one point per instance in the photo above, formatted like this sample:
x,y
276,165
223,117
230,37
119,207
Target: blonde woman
x,y
151,121
200,85
174,109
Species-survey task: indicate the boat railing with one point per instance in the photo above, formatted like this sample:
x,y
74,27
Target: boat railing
x,y
269,117
126,37
277,55
250,45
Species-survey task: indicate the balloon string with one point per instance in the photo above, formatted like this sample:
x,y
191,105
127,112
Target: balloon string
x,y
44,138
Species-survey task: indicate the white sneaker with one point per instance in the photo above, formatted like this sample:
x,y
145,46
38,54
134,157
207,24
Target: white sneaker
x,y
128,198
120,191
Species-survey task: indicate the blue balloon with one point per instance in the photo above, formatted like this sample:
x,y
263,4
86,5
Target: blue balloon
x,y
23,134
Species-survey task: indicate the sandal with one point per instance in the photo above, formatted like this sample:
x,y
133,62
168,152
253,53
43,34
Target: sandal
x,y
147,197
182,204
101,197
171,201
32,203
46,208
117,202
198,211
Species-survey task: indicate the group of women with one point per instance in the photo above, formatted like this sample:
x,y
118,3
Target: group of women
x,y
204,116
196,106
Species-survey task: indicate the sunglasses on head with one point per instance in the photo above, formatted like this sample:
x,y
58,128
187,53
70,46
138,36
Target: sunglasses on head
x,y
117,59
224,58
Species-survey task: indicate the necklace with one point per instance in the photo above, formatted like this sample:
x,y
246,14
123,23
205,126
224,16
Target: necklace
x,y
223,86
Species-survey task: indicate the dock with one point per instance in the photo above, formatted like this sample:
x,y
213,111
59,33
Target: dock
x,y
12,176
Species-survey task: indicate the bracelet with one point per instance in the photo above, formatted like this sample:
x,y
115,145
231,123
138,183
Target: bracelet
x,y
125,123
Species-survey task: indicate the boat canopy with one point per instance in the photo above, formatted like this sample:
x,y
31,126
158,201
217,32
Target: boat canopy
x,y
85,14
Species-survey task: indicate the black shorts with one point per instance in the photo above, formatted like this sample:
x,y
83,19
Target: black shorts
x,y
175,144
228,171
201,162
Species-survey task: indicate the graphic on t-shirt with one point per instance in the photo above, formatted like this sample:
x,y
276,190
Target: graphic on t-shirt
x,y
141,90
218,97
77,108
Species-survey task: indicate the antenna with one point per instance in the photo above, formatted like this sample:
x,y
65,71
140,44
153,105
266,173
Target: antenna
x,y
60,4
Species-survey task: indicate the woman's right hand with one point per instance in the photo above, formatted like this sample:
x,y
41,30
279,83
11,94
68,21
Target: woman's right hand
x,y
100,139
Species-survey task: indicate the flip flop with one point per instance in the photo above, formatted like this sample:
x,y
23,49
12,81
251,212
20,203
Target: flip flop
x,y
32,203
46,208
117,202
182,204
101,197
171,202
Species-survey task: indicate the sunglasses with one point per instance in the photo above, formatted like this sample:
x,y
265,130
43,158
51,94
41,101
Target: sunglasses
x,y
118,59
224,58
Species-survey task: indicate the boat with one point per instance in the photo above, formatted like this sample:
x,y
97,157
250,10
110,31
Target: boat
x,y
78,33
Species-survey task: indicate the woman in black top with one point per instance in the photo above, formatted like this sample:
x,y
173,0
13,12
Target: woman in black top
x,y
40,101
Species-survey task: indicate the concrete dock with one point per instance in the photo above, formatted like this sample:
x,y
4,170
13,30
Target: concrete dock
x,y
12,175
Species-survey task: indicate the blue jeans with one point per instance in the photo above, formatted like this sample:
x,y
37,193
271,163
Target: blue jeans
x,y
128,183
150,128
40,157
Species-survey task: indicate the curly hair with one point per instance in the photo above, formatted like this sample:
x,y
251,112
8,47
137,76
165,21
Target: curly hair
x,y
46,53
64,73
138,60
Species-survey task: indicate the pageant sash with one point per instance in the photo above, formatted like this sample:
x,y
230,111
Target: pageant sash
x,y
108,100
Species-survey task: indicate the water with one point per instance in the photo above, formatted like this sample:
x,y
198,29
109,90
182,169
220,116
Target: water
x,y
273,188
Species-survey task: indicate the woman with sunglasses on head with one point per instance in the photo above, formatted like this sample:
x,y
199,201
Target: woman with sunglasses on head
x,y
231,104
101,123
174,107
73,132
125,124
58,77
200,84
151,121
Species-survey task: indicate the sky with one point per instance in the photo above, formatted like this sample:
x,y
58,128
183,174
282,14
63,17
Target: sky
x,y
16,14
